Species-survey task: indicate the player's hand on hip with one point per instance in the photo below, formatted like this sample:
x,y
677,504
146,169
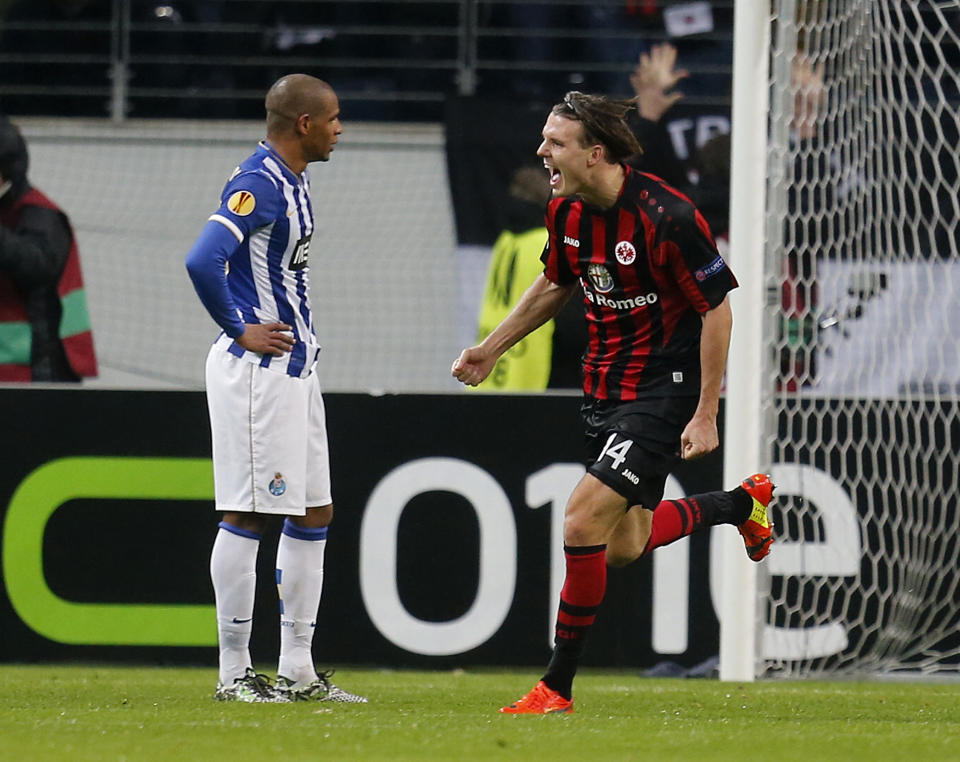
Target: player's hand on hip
x,y
471,367
267,338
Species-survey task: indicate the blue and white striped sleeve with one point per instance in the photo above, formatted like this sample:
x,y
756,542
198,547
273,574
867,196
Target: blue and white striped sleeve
x,y
250,201
207,266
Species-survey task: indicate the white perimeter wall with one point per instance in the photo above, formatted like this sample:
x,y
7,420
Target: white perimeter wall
x,y
383,263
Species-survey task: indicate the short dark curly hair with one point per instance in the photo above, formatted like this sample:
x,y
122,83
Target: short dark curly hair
x,y
604,122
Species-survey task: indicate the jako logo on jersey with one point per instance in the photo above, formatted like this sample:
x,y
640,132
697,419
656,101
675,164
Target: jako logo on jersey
x,y
625,252
241,203
712,269
571,242
277,485
600,278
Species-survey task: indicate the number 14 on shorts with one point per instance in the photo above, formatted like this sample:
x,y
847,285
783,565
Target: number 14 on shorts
x,y
617,452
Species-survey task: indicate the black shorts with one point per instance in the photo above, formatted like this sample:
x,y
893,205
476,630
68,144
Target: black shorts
x,y
633,446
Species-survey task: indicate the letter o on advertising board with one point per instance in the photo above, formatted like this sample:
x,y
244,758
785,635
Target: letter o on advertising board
x,y
378,556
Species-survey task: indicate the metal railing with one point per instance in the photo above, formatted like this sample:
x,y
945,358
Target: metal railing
x,y
389,59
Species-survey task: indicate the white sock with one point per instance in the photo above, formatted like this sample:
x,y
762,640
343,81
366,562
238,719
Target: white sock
x,y
233,569
299,584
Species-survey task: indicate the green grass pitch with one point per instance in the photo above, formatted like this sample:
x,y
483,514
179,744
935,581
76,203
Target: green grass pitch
x,y
102,713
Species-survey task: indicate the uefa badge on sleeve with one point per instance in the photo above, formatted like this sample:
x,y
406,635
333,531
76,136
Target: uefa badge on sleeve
x,y
242,203
277,485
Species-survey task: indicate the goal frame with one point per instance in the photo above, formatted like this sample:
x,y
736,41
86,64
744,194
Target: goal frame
x,y
743,424
853,407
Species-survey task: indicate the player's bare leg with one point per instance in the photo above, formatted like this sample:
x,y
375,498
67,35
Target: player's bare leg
x,y
592,513
630,537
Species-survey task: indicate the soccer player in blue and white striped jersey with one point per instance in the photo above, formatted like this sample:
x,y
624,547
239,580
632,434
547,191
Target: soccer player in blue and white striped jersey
x,y
270,454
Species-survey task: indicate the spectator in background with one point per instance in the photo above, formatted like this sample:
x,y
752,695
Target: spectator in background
x,y
653,81
44,324
711,192
547,357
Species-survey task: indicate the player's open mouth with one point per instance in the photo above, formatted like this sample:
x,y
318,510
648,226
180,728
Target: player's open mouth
x,y
554,176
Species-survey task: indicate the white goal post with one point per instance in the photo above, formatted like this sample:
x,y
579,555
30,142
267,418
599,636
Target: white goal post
x,y
844,372
742,453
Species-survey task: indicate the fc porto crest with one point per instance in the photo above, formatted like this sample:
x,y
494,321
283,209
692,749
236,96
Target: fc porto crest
x,y
600,277
626,253
277,485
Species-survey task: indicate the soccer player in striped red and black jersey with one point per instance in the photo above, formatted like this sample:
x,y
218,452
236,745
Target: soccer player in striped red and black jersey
x,y
655,297
649,269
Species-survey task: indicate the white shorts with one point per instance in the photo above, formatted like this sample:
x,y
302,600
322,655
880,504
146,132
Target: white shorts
x,y
270,451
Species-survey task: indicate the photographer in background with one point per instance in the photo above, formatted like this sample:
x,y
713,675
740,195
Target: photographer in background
x,y
44,324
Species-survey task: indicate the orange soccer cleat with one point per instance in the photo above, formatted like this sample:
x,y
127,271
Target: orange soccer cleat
x,y
757,531
541,700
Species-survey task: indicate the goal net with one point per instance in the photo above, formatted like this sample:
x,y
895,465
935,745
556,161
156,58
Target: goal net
x,y
863,278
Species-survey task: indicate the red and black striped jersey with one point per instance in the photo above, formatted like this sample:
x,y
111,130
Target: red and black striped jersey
x,y
649,269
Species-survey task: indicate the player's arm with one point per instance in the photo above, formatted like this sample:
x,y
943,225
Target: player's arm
x,y
688,249
207,265
539,303
700,435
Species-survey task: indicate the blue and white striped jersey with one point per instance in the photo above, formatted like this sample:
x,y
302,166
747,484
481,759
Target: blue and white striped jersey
x,y
266,207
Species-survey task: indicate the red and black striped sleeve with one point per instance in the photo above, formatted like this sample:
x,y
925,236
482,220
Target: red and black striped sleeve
x,y
686,246
556,266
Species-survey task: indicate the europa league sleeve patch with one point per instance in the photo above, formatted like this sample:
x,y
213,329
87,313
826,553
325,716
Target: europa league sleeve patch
x,y
242,203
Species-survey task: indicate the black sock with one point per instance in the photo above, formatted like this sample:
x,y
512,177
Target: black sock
x,y
730,507
741,505
562,668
